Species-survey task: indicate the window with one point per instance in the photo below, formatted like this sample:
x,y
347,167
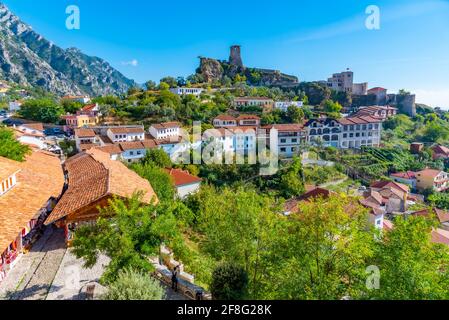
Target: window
x,y
283,140
283,149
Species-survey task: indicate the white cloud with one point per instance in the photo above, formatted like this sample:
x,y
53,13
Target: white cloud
x,y
433,97
387,14
132,63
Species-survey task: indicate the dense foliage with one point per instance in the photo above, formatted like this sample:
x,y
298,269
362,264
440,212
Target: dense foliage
x,y
134,285
11,148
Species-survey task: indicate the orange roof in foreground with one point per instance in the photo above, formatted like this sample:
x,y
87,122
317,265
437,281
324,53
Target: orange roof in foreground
x,y
181,177
92,176
8,168
41,178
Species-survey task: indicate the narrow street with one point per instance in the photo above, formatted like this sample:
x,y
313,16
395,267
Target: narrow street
x,y
34,273
51,272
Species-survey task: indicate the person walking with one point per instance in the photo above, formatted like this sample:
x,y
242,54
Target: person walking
x,y
174,279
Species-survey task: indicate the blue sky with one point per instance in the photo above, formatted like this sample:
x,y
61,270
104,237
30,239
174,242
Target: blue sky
x,y
310,39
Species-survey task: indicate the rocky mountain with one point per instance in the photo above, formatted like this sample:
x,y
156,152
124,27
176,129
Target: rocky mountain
x,y
29,59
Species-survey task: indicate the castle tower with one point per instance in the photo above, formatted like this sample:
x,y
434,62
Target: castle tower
x,y
235,58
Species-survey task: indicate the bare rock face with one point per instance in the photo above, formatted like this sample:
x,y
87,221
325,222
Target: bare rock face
x,y
211,69
29,59
214,70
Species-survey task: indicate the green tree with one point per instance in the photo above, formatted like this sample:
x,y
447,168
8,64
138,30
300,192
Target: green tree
x,y
71,106
229,282
295,114
43,110
292,181
150,85
172,82
134,285
239,226
411,266
11,148
160,180
331,106
324,251
158,158
128,233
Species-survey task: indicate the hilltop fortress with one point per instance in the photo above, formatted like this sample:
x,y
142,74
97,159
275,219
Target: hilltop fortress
x,y
215,70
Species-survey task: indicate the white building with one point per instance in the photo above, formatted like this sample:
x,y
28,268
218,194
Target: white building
x,y
185,183
290,139
126,134
284,105
345,133
225,120
181,91
165,130
14,106
360,131
264,103
85,139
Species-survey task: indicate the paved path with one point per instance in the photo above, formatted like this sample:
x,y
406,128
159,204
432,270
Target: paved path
x,y
33,274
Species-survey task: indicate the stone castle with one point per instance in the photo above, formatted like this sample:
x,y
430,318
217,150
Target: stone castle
x,y
215,70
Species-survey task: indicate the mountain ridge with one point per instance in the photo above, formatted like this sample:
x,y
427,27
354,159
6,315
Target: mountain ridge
x,y
27,58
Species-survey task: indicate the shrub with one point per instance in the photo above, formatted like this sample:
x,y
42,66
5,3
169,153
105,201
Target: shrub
x,y
134,285
229,282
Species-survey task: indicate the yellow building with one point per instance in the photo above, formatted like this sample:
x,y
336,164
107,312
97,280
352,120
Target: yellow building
x,y
436,180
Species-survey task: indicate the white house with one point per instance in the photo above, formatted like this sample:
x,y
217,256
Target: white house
x,y
290,138
126,134
14,106
182,91
284,105
185,183
224,120
165,130
32,129
85,139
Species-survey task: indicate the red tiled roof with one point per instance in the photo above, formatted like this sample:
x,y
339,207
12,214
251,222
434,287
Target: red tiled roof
x,y
125,130
92,175
89,107
84,133
377,89
409,175
181,177
390,184
225,117
248,117
111,149
166,125
432,173
441,150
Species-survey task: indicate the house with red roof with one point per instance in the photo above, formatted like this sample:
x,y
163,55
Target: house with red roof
x,y
431,179
407,178
440,152
184,182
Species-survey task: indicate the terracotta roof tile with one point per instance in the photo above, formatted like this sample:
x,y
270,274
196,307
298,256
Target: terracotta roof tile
x,y
41,178
84,133
92,175
181,177
126,130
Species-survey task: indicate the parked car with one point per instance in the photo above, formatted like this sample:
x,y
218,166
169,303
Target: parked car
x,y
53,132
11,122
